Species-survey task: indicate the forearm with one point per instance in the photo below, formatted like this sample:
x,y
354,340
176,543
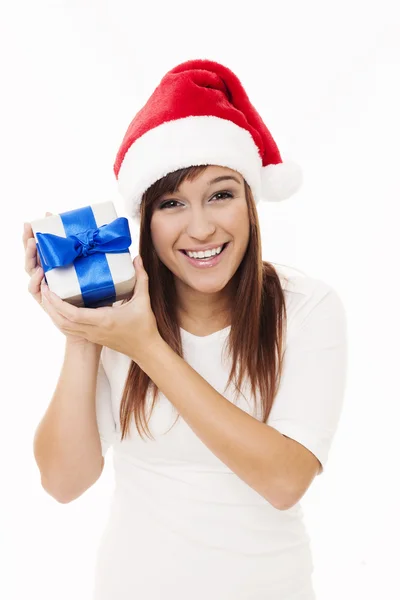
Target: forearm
x,y
250,448
67,445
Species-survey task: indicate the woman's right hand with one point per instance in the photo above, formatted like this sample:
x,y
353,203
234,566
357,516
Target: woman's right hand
x,y
35,271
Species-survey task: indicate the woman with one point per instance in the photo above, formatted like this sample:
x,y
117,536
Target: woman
x,y
220,383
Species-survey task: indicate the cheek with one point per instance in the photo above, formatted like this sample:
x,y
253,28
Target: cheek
x,y
160,237
163,245
236,221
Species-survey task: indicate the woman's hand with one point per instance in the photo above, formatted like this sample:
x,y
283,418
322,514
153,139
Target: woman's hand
x,y
36,273
127,328
32,262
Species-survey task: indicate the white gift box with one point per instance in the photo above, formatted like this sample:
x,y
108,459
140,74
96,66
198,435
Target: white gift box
x,y
107,277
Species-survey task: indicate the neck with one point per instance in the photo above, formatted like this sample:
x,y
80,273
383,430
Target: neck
x,y
198,309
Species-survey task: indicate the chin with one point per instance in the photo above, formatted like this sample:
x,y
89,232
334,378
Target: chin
x,y
206,287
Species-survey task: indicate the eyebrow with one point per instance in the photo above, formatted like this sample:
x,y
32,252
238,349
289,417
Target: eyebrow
x,y
223,178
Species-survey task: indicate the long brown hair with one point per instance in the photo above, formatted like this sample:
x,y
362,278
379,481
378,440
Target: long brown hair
x,y
258,321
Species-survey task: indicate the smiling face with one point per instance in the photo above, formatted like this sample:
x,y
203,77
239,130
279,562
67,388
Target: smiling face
x,y
203,213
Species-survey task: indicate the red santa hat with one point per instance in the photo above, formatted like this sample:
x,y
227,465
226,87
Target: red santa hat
x,y
200,114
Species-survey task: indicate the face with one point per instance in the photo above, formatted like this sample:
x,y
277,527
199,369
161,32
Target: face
x,y
203,212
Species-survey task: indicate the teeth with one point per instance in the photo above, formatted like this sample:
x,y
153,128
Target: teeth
x,y
205,254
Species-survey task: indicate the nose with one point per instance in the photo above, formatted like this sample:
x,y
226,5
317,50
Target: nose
x,y
200,225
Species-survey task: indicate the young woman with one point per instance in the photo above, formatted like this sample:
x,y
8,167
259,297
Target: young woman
x,y
219,384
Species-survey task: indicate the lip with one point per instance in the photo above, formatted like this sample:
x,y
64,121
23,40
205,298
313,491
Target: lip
x,y
206,264
204,249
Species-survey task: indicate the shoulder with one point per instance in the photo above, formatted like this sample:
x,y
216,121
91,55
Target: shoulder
x,y
306,295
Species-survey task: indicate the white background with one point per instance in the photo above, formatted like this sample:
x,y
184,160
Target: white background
x,y
325,78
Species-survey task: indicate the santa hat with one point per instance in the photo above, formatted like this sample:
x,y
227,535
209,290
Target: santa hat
x,y
200,114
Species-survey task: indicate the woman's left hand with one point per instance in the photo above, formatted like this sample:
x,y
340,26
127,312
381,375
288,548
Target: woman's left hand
x,y
128,328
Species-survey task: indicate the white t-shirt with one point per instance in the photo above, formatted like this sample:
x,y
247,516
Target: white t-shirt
x,y
182,524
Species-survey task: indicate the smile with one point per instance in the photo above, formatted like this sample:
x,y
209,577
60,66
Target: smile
x,y
205,263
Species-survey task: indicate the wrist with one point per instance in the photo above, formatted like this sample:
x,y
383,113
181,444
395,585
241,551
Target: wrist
x,y
82,345
142,355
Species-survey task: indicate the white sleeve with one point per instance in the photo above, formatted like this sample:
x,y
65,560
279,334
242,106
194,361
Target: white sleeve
x,y
309,401
105,419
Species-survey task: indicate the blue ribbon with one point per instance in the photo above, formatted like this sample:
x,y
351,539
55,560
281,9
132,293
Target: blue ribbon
x,y
85,246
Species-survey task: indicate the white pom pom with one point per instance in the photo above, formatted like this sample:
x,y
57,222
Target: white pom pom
x,y
279,182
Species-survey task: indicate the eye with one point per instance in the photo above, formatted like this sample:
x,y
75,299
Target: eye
x,y
164,204
223,193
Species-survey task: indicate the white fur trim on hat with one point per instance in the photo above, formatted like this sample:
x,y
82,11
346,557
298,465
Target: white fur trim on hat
x,y
182,143
197,140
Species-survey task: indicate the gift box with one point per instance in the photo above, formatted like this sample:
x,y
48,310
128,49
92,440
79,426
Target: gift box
x,y
85,255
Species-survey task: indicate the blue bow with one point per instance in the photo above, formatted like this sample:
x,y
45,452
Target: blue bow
x,y
57,251
85,246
